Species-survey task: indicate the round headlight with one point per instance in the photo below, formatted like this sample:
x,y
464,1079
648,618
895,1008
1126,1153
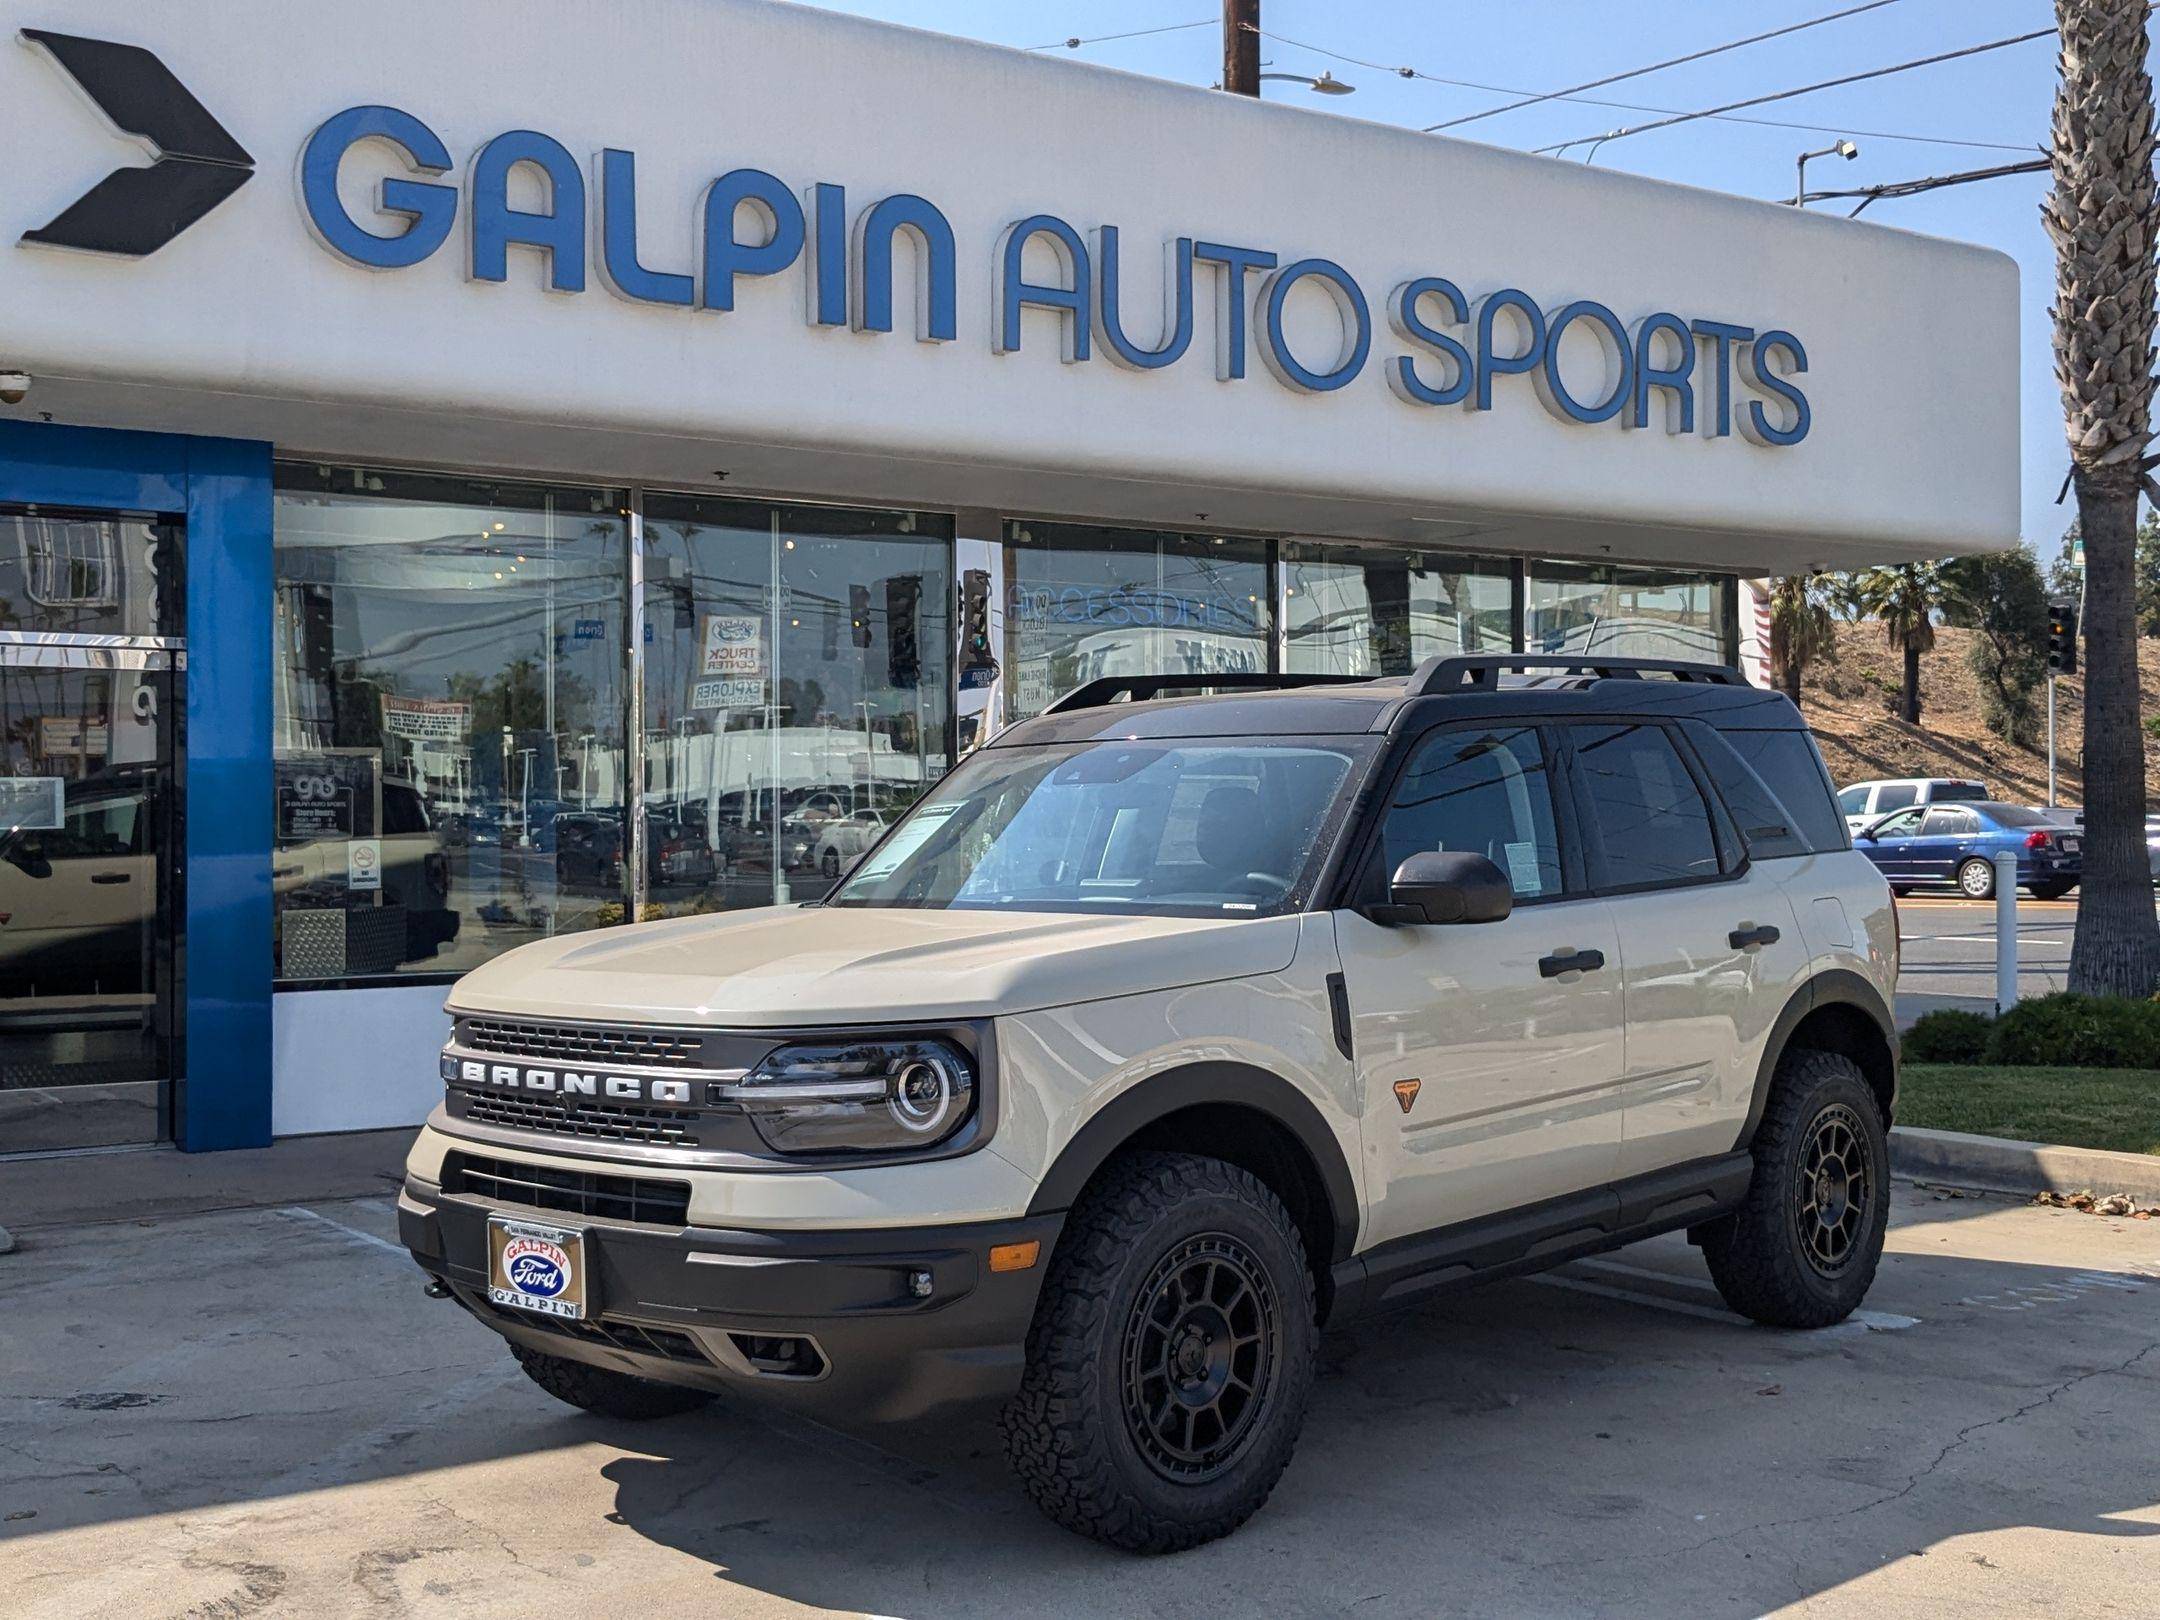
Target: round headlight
x,y
865,1096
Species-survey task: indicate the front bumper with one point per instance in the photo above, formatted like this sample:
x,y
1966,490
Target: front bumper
x,y
821,1321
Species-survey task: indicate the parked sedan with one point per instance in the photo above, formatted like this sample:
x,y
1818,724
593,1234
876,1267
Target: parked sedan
x,y
842,839
1956,843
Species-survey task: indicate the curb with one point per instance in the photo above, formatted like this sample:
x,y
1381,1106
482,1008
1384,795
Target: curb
x,y
1996,1164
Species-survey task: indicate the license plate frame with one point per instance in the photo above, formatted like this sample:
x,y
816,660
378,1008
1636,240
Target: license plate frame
x,y
553,1255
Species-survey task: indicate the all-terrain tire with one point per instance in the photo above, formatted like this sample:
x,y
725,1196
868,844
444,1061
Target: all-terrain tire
x,y
1803,1248
605,1392
1118,1339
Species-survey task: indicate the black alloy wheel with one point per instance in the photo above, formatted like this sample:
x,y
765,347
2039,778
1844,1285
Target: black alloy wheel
x,y
1833,1190
1200,1353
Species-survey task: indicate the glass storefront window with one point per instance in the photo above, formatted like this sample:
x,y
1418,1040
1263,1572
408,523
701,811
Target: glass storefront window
x,y
449,742
797,692
88,574
1646,612
1375,610
1084,602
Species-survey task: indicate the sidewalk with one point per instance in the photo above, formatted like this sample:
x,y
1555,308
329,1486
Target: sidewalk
x,y
79,1189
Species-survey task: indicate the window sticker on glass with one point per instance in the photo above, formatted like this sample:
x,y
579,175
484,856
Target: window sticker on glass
x,y
1522,869
32,803
909,839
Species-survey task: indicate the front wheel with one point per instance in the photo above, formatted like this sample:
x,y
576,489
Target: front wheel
x,y
1802,1249
1976,878
1170,1358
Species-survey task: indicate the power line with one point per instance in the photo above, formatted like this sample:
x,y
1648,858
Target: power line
x,y
1630,106
1137,33
1933,182
1596,141
1659,67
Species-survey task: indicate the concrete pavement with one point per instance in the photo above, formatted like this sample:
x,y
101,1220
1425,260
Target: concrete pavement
x,y
255,1411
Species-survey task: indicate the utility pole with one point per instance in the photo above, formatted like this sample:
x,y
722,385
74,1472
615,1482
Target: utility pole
x,y
1241,47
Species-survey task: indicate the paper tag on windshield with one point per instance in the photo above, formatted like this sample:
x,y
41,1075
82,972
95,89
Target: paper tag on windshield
x,y
1522,869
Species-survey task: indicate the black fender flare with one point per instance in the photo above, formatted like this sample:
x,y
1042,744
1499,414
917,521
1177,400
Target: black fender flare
x,y
1161,1095
1836,987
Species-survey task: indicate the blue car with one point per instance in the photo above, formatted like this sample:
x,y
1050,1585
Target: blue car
x,y
1956,844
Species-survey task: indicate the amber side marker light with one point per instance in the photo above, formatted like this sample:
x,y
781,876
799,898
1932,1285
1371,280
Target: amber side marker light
x,y
1014,1256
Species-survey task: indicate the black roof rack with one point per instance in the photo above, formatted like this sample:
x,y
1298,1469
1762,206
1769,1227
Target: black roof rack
x,y
1110,689
1482,671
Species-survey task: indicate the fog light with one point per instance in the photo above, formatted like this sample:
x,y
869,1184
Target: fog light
x,y
919,1284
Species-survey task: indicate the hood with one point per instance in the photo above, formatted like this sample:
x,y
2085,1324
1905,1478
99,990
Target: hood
x,y
797,965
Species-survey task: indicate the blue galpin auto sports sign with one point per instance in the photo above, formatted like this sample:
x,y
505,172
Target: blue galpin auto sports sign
x,y
1453,349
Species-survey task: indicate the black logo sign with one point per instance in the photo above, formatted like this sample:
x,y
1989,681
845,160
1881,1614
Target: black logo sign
x,y
134,212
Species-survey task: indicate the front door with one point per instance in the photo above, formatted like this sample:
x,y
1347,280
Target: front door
x,y
89,835
1490,1054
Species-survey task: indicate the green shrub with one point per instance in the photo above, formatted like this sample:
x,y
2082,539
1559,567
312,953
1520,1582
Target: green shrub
x,y
2093,1032
1949,1036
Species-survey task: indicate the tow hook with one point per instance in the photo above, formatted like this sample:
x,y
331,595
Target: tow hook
x,y
436,1288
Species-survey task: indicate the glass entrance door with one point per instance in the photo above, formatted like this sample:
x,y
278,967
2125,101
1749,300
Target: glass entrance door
x,y
90,872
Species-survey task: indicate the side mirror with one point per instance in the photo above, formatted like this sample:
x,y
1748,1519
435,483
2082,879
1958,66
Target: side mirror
x,y
1447,886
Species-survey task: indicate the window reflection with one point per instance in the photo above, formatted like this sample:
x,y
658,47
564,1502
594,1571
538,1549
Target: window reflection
x,y
1369,610
449,718
1086,602
796,692
1647,612
61,573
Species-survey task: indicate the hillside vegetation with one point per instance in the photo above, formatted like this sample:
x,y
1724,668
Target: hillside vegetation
x,y
1852,704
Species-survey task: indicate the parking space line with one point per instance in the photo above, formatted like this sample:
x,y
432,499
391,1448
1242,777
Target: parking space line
x,y
1875,1321
352,1232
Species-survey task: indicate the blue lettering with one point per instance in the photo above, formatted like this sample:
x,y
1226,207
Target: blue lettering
x,y
1674,379
1016,292
1755,363
934,271
1724,336
828,250
1177,303
619,265
1230,301
1490,364
428,210
496,226
1350,308
727,257
1552,388
1411,327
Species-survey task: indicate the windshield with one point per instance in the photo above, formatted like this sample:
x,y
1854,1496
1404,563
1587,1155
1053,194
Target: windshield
x,y
1203,828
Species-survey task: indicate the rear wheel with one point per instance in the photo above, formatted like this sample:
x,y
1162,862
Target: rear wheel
x,y
1170,1358
603,1391
1802,1249
1976,878
831,863
2051,891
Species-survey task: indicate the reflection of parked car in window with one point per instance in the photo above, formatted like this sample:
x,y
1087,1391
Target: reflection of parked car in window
x,y
589,851
74,899
1864,802
840,841
315,873
1956,843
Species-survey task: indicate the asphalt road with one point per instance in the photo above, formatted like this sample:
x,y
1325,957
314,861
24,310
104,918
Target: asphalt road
x,y
255,1412
1948,951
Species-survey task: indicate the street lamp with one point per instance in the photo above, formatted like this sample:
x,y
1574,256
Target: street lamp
x,y
1842,148
1326,85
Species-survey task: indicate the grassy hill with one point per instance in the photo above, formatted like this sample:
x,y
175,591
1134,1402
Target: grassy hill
x,y
1852,704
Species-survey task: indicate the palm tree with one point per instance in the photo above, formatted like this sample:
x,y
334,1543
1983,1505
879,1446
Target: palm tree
x,y
1903,599
2100,214
1801,629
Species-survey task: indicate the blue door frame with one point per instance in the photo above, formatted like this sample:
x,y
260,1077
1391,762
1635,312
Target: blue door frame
x,y
221,489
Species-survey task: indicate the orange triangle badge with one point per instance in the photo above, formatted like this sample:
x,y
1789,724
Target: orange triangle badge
x,y
1406,1092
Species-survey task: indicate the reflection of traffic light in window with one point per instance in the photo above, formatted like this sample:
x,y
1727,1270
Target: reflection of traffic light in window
x,y
903,655
858,597
975,653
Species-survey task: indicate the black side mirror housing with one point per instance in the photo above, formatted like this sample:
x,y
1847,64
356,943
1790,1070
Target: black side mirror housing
x,y
1446,886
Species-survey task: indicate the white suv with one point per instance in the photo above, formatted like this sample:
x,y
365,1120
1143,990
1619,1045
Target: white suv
x,y
1165,1031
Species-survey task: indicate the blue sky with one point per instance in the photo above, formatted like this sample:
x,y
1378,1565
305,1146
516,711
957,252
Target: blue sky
x,y
2000,98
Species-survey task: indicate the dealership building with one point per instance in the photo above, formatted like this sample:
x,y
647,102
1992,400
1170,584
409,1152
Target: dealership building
x,y
476,477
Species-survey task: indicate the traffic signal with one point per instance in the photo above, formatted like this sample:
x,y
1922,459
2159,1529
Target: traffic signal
x,y
2062,639
978,664
858,598
903,651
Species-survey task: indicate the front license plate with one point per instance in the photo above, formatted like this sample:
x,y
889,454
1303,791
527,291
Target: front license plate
x,y
537,1268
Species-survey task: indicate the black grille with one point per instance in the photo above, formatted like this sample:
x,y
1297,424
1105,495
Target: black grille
x,y
576,1043
663,1127
569,1192
645,1341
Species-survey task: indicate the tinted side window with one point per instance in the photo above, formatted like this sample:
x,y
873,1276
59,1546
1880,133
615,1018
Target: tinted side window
x,y
1852,801
1649,822
1791,768
1895,796
1970,792
1487,792
1767,827
1948,823
1903,825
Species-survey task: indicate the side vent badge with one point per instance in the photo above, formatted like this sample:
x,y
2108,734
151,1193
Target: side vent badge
x,y
1406,1092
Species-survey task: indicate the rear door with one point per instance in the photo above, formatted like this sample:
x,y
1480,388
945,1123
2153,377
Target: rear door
x,y
1709,946
1948,834
1490,1054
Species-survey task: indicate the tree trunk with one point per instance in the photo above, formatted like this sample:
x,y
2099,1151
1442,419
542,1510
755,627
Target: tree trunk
x,y
1788,676
1909,699
2117,949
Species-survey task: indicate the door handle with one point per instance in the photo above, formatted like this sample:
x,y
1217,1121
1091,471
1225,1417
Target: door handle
x,y
1551,967
1743,939
110,877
